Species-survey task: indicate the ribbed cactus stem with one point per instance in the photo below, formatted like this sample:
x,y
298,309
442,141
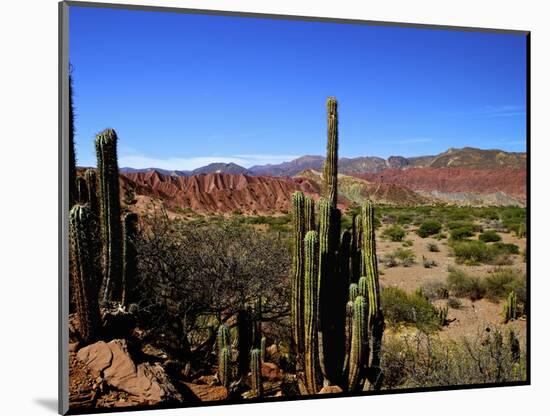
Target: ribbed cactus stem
x,y
299,231
311,363
84,272
81,190
129,265
344,253
353,291
309,210
510,307
109,190
224,367
222,339
256,373
91,186
330,173
263,342
363,287
355,250
370,260
359,343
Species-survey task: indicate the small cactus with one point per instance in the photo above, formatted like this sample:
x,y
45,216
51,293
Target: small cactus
x,y
299,228
256,373
262,348
510,307
353,291
359,343
442,315
224,367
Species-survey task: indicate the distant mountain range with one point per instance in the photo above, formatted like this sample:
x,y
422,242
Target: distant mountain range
x,y
467,157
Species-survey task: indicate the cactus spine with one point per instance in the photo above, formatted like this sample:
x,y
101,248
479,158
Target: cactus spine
x,y
256,373
311,362
84,272
359,343
129,269
107,166
298,216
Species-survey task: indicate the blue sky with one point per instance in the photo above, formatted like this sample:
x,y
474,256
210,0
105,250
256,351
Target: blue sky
x,y
186,90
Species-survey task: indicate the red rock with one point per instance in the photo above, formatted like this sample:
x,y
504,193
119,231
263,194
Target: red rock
x,y
271,371
330,390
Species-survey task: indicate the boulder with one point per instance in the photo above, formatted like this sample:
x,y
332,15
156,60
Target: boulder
x,y
271,371
330,390
148,383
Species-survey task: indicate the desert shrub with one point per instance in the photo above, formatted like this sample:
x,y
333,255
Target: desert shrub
x,y
473,252
407,243
435,289
402,308
440,236
405,256
428,228
394,233
425,360
405,218
489,236
503,281
389,260
505,248
432,247
461,233
453,225
428,263
463,285
454,303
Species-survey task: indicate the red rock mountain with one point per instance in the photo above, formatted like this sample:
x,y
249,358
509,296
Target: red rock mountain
x,y
221,192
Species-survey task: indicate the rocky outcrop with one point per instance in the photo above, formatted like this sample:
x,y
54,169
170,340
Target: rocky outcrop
x,y
146,383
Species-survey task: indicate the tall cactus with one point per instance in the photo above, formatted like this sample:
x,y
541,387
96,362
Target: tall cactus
x,y
375,316
330,173
109,190
299,227
309,209
510,307
359,343
222,338
72,153
311,361
256,373
355,250
84,272
129,266
81,190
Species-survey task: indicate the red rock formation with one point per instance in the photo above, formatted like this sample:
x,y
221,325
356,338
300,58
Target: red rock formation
x,y
452,180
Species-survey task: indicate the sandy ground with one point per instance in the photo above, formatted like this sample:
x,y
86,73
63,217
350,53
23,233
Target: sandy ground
x,y
472,316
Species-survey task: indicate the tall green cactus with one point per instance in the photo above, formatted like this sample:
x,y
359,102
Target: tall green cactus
x,y
375,316
359,343
344,253
224,367
330,173
72,153
129,266
355,250
263,342
256,373
109,190
84,272
299,228
353,291
311,360
222,338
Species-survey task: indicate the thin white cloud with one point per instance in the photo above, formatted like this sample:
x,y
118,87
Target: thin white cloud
x,y
506,110
176,163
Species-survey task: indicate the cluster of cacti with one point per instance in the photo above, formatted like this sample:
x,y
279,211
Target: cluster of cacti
x,y
84,271
442,315
510,308
337,322
111,233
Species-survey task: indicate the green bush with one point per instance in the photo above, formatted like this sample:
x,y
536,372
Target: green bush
x,y
408,243
463,285
461,233
394,233
489,236
402,308
505,248
428,228
435,289
503,281
428,263
405,255
404,219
